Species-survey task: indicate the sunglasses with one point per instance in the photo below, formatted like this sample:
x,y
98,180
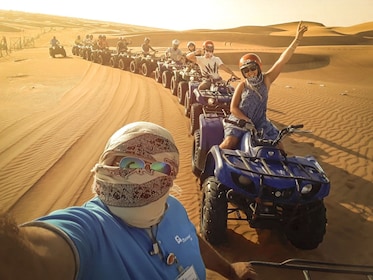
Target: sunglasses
x,y
249,68
136,163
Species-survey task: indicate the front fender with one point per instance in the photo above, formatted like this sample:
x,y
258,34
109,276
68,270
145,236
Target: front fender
x,y
214,161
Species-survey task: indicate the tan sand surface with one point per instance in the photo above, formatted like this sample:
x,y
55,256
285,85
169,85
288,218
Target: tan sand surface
x,y
56,115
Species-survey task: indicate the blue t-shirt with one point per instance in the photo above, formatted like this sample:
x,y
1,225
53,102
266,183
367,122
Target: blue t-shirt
x,y
108,248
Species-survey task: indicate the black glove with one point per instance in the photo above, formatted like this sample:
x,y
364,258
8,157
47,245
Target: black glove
x,y
241,123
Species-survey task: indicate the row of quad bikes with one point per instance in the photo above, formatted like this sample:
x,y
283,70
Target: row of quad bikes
x,y
256,182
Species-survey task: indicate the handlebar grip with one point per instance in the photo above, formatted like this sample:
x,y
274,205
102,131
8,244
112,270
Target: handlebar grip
x,y
297,126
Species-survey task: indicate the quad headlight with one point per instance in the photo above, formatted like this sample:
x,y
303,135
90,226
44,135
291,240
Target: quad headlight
x,y
212,101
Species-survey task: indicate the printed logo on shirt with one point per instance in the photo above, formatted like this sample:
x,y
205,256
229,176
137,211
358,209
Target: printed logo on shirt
x,y
179,239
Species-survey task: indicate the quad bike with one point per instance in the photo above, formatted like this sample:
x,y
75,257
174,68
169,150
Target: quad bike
x,y
75,50
101,56
260,184
189,78
148,64
215,100
184,75
164,71
143,64
85,51
57,49
120,60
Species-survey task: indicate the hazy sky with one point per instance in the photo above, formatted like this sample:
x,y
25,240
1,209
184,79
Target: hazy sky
x,y
211,14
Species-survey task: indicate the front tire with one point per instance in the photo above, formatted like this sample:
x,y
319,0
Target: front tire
x,y
214,213
306,231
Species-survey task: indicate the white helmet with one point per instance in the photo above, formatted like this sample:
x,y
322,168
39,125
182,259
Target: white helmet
x,y
175,42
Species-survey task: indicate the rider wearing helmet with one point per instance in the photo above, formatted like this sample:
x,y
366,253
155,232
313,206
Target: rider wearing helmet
x,y
249,101
174,53
209,64
146,47
191,46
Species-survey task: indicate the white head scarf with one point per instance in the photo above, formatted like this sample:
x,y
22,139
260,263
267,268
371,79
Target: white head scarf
x,y
138,196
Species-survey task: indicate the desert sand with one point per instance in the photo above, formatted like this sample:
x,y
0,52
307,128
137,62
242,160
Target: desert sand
x,y
57,114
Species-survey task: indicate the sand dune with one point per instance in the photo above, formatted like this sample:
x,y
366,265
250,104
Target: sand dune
x,y
56,115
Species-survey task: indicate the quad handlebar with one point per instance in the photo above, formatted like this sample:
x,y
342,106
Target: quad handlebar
x,y
258,135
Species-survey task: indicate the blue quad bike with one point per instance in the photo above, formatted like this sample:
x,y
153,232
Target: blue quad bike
x,y
188,77
214,101
259,184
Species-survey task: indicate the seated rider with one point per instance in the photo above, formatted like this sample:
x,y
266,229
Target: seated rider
x,y
209,65
174,53
146,47
122,45
103,43
78,41
250,99
54,42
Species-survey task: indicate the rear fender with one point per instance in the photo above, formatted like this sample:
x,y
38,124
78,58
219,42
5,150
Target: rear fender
x,y
211,130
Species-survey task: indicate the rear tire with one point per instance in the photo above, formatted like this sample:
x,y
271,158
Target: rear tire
x,y
157,75
173,84
145,69
214,213
196,157
195,111
182,88
133,67
100,59
121,64
166,78
113,62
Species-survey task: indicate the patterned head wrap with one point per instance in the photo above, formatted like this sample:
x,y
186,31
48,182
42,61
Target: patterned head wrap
x,y
135,187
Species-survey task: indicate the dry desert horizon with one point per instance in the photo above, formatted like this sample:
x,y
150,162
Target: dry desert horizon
x,y
57,114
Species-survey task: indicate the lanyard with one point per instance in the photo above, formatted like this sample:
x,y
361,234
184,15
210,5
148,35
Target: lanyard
x,y
156,250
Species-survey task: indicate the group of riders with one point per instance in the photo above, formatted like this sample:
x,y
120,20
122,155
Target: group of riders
x,y
101,43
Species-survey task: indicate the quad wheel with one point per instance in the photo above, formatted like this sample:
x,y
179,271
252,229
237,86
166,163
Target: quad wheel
x,y
182,88
196,154
306,231
214,213
133,67
122,64
113,62
166,78
145,69
157,75
173,84
195,111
